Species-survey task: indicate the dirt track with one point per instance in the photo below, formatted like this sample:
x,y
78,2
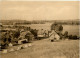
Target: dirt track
x,y
46,49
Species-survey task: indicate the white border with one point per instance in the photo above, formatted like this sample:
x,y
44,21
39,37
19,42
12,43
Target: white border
x,y
39,0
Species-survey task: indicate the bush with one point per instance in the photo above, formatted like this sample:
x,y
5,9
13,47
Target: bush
x,y
16,34
70,37
34,32
66,34
75,37
61,35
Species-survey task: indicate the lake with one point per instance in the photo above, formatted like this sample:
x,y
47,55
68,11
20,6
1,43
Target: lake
x,y
72,29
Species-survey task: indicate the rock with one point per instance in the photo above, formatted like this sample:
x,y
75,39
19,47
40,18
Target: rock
x,y
17,48
66,39
29,44
19,42
4,51
11,50
25,46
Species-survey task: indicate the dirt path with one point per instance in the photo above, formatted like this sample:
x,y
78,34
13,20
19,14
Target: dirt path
x,y
46,49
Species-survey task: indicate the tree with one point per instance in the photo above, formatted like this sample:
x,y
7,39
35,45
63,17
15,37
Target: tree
x,y
60,27
57,27
53,26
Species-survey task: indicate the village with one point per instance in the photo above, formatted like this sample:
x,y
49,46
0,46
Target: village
x,y
20,35
17,35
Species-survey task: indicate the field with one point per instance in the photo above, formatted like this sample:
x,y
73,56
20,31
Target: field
x,y
46,49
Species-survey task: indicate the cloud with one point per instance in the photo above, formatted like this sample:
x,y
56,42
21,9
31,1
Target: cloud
x,y
39,10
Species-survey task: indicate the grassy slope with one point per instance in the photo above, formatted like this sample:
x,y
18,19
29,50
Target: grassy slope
x,y
47,49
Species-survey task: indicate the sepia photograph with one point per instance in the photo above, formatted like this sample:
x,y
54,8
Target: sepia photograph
x,y
39,29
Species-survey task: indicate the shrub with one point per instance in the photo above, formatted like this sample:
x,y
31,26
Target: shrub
x,y
16,34
75,37
34,32
70,37
66,34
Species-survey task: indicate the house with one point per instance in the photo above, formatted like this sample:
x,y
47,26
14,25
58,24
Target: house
x,y
54,36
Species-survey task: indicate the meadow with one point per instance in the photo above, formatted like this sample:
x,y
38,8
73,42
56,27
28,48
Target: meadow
x,y
46,49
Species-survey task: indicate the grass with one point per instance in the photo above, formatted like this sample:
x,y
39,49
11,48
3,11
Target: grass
x,y
46,49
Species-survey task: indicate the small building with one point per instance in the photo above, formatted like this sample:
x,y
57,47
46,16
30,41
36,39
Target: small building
x,y
54,36
26,35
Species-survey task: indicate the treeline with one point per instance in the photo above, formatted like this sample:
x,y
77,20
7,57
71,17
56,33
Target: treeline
x,y
20,22
11,22
68,22
64,22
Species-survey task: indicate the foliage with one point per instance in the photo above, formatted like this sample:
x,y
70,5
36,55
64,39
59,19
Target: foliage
x,y
34,32
56,27
74,37
53,26
60,28
66,34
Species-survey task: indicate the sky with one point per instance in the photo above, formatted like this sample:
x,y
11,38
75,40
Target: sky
x,y
39,10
